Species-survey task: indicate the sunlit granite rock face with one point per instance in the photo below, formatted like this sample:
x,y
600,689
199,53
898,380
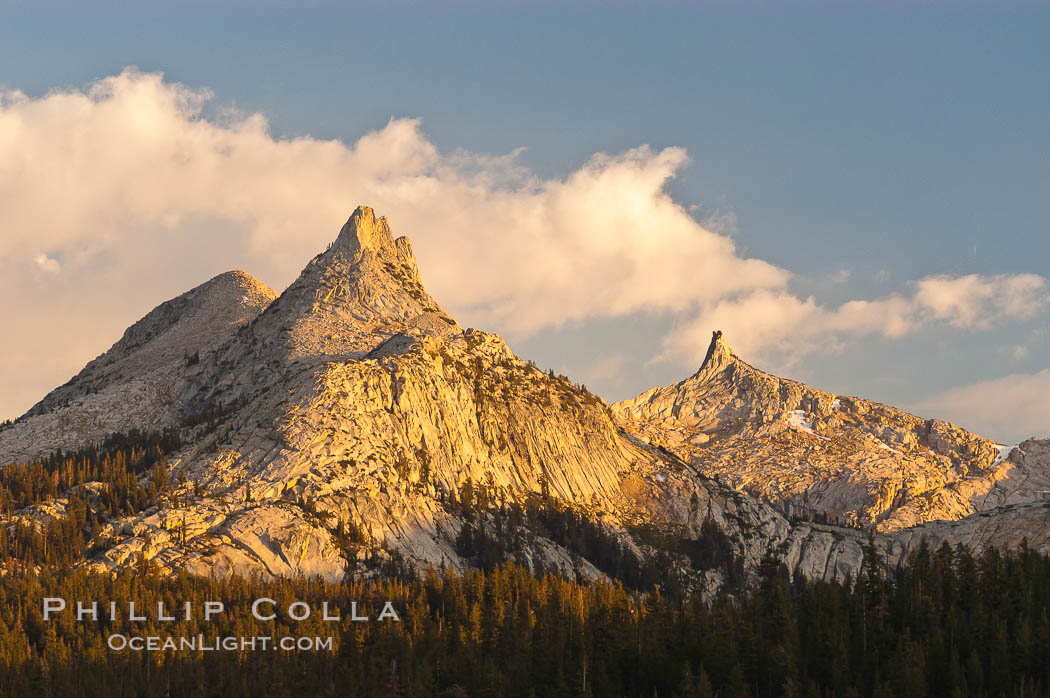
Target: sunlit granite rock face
x,y
354,410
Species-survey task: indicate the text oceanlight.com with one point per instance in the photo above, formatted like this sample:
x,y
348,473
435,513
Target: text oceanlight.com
x,y
155,643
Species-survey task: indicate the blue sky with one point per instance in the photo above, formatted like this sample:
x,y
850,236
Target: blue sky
x,y
861,148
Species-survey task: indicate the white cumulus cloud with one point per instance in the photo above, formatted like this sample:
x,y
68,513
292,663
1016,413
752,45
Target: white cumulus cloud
x,y
141,196
136,196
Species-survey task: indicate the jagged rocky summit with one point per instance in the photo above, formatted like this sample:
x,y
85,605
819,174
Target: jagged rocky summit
x,y
349,419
